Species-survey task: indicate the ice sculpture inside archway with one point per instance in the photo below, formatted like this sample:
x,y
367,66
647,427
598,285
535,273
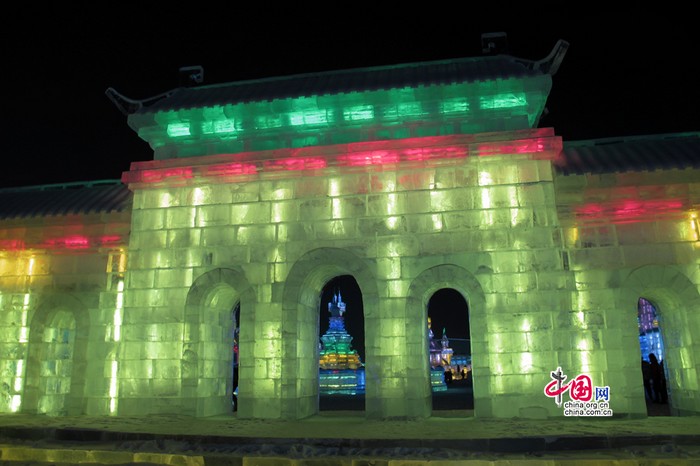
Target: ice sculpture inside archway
x,y
650,340
341,370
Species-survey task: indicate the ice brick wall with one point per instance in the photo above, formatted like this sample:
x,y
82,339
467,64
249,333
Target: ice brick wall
x,y
58,286
551,266
629,236
484,205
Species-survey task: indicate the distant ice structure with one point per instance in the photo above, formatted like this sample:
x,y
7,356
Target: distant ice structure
x,y
341,371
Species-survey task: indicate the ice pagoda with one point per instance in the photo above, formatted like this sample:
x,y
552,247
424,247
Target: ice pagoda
x,y
341,371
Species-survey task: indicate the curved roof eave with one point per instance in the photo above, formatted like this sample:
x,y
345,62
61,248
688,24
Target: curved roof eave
x,y
441,72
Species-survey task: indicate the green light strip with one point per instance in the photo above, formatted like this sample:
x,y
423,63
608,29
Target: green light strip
x,y
464,108
503,101
176,130
308,119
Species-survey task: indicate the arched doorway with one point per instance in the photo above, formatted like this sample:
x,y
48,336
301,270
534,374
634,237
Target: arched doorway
x,y
216,307
216,369
450,351
236,319
341,346
651,346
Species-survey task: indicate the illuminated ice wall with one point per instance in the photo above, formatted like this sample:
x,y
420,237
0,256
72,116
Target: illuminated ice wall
x,y
387,213
261,192
61,300
632,235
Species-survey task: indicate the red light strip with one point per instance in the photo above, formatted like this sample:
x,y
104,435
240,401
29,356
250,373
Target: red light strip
x,y
230,169
64,242
515,147
419,155
107,240
538,143
369,158
296,163
630,209
12,245
152,176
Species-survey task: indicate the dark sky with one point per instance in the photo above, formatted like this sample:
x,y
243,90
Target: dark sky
x,y
623,74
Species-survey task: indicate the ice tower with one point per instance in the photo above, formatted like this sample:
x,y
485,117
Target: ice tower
x,y
341,371
116,298
437,371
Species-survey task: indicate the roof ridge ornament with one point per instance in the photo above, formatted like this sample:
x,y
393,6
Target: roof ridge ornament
x,y
129,106
191,75
496,43
550,64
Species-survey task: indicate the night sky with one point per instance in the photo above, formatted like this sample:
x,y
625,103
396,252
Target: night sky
x,y
623,75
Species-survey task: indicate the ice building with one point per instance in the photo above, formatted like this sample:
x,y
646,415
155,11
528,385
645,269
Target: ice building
x,y
117,298
441,353
341,370
437,360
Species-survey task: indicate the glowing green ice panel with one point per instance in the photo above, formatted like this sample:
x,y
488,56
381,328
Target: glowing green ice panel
x,y
454,106
268,121
358,113
310,118
222,127
389,114
176,130
503,101
410,109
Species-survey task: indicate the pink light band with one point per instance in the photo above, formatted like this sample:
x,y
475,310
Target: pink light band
x,y
537,144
